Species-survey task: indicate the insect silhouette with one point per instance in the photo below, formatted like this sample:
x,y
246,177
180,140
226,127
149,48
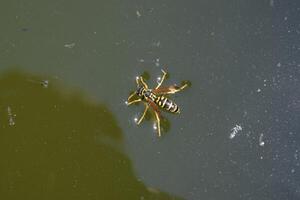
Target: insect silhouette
x,y
156,98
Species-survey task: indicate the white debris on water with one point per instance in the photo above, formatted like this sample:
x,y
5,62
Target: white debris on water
x,y
265,82
45,83
11,116
296,154
70,45
157,64
235,130
261,142
138,14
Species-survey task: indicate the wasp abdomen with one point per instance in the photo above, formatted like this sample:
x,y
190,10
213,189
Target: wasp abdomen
x,y
167,104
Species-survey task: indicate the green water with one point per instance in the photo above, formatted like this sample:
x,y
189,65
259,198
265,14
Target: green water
x,y
61,146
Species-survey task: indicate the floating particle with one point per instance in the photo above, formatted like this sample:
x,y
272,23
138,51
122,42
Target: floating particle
x,y
258,90
235,130
157,62
11,116
155,44
296,155
45,83
70,46
261,142
138,14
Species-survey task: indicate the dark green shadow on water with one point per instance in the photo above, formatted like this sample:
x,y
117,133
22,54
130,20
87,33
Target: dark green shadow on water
x,y
58,145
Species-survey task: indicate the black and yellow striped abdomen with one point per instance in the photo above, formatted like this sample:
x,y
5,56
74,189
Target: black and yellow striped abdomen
x,y
161,101
166,104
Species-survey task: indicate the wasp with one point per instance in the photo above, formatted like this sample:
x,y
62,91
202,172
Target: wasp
x,y
156,98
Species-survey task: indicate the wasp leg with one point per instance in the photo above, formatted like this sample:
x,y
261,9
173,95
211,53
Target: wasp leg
x,y
131,96
143,82
134,101
162,79
143,116
158,123
157,115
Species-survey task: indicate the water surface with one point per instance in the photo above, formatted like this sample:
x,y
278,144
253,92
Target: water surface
x,y
236,137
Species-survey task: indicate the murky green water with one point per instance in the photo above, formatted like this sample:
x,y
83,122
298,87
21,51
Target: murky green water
x,y
67,67
61,146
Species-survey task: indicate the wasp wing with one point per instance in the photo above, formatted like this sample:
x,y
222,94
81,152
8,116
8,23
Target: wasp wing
x,y
167,90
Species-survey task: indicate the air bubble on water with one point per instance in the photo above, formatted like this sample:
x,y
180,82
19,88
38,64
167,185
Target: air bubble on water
x,y
155,126
158,79
157,62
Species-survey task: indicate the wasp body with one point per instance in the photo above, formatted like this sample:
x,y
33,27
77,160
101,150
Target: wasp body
x,y
160,100
155,98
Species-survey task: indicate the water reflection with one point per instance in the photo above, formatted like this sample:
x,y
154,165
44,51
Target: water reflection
x,y
61,146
